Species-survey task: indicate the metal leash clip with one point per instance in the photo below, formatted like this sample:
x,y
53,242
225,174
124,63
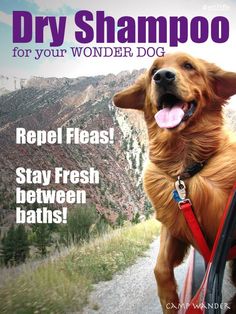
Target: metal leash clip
x,y
181,188
186,201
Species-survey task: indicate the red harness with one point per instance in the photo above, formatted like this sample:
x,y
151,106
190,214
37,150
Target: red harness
x,y
187,210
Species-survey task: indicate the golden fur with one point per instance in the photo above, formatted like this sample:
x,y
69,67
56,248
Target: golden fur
x,y
201,138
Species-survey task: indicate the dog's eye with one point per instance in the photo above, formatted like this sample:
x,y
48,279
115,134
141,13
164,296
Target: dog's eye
x,y
153,71
188,66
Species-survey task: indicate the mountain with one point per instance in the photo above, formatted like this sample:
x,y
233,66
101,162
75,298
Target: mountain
x,y
230,115
9,84
86,103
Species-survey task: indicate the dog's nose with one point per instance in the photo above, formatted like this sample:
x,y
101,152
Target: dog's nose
x,y
164,77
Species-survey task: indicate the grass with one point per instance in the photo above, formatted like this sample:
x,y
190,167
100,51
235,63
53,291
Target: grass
x,y
62,285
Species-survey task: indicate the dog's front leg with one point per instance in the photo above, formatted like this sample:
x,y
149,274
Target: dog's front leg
x,y
171,254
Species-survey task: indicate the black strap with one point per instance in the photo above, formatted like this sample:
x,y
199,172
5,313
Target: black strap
x,y
191,170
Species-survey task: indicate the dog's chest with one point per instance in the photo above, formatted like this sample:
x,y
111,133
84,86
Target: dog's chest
x,y
207,192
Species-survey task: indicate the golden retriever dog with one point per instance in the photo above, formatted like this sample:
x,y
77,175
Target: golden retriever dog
x,y
182,99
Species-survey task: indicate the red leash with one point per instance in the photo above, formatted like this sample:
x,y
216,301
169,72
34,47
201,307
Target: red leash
x,y
187,210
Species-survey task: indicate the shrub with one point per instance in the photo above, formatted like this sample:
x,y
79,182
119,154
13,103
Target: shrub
x,y
62,285
81,221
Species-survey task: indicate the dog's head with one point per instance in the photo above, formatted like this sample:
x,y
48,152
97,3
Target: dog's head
x,y
177,89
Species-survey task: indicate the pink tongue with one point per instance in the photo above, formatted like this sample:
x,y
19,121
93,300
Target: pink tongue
x,y
169,117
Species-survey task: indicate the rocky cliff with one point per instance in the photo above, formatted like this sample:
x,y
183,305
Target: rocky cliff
x,y
85,102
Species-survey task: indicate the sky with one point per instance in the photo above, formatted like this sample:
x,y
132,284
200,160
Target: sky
x,y
221,54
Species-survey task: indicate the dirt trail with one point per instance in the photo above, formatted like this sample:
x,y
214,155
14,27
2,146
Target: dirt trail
x,y
133,291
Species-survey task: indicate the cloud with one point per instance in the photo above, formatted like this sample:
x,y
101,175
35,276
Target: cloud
x,y
47,5
73,67
5,18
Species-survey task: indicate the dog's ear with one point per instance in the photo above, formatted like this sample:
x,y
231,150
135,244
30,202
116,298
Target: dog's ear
x,y
132,97
224,82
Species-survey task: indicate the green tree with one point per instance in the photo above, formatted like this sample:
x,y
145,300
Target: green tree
x,y
8,246
140,161
15,245
135,219
131,143
81,220
133,161
22,244
148,209
120,220
42,237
